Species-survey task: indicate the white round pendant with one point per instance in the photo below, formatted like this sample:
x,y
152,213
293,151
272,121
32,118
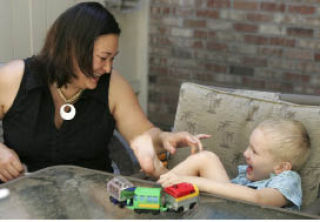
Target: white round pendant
x,y
67,111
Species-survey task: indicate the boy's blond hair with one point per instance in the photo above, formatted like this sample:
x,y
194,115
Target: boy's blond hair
x,y
289,140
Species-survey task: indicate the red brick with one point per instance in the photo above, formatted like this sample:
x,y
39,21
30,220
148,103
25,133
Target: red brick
x,y
242,27
212,34
166,11
217,46
316,91
156,60
159,40
254,61
190,23
203,76
254,39
258,17
299,54
159,70
184,12
271,51
162,11
218,3
207,14
253,83
272,7
245,5
200,34
163,30
200,3
155,10
301,9
282,41
295,77
317,57
215,67
179,73
301,32
279,86
197,45
241,70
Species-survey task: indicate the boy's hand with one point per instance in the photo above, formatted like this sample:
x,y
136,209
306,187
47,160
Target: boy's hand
x,y
170,179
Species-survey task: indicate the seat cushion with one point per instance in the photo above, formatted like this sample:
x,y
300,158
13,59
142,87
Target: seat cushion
x,y
231,115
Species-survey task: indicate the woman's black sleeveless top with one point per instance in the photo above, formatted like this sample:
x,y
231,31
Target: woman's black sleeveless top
x,y
29,127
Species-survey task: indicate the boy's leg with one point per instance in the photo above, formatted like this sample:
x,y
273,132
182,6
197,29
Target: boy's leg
x,y
203,164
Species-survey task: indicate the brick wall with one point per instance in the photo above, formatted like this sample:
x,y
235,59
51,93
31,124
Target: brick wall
x,y
258,44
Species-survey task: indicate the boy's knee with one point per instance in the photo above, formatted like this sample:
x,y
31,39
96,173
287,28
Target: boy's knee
x,y
211,156
204,156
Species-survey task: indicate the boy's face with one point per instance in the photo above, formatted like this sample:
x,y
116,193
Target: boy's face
x,y
258,156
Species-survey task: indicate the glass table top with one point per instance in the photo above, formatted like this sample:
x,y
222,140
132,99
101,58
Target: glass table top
x,y
70,192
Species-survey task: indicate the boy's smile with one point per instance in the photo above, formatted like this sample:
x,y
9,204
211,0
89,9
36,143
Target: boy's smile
x,y
259,159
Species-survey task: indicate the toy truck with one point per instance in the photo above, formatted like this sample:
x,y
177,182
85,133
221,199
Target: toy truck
x,y
121,191
181,197
147,199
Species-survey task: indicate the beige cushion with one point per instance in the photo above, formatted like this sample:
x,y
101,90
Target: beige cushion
x,y
230,116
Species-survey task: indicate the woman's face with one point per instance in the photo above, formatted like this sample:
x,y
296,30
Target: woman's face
x,y
104,51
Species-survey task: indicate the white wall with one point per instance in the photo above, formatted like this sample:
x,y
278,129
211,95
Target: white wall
x,y
23,25
132,60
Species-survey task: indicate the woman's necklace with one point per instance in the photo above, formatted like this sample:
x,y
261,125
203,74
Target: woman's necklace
x,y
67,110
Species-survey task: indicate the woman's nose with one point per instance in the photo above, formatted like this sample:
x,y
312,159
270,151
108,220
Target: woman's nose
x,y
107,67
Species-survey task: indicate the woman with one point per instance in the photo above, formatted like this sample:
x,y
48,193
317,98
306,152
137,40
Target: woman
x,y
62,105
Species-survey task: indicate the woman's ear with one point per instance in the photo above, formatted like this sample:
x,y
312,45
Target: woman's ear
x,y
282,166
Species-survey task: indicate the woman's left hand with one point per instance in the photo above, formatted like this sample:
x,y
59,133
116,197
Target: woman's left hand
x,y
171,141
145,153
146,146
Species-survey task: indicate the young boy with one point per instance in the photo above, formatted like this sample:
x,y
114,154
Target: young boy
x,y
277,148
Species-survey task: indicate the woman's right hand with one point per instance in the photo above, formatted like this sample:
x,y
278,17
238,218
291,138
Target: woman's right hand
x,y
10,165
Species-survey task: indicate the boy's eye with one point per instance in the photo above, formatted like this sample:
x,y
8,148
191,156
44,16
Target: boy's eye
x,y
103,58
252,150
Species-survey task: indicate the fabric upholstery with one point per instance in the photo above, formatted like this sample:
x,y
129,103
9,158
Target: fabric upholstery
x,y
230,116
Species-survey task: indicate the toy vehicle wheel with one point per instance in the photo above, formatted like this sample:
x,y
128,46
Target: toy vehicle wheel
x,y
180,210
112,199
192,206
156,212
138,211
122,204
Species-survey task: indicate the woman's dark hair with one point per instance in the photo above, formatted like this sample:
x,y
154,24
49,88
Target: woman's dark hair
x,y
71,39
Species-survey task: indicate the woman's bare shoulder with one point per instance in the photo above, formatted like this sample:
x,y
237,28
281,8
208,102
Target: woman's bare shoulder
x,y
11,72
10,79
120,92
117,78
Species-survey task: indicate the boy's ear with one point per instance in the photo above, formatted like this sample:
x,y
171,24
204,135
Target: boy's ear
x,y
282,166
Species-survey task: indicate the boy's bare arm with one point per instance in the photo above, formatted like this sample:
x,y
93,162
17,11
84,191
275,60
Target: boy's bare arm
x,y
265,196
